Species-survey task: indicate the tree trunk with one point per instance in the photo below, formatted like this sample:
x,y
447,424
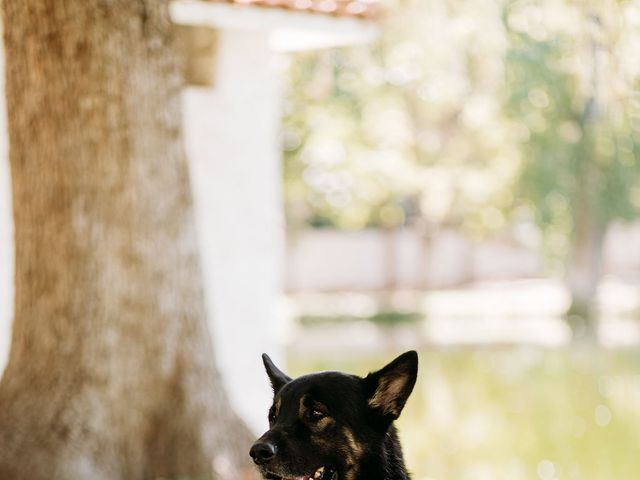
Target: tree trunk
x,y
585,263
584,268
111,372
583,276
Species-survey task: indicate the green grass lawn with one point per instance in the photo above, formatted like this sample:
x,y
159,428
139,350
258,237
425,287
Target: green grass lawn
x,y
516,413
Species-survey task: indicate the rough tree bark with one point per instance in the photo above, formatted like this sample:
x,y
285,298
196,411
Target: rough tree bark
x,y
111,374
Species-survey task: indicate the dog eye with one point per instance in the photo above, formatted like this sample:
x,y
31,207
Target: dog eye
x,y
317,414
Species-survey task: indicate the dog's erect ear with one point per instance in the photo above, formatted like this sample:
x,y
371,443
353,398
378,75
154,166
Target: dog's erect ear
x,y
389,388
277,377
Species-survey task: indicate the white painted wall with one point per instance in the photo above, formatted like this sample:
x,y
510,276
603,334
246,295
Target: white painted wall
x,y
622,249
231,133
333,260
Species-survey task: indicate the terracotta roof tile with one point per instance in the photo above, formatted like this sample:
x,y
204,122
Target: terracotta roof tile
x,y
366,9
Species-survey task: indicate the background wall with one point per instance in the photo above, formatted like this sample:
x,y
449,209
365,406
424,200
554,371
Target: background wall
x,y
333,260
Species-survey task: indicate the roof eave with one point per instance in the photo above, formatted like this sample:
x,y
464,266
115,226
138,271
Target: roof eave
x,y
290,30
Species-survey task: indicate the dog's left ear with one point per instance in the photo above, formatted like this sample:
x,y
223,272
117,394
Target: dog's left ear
x,y
276,376
389,388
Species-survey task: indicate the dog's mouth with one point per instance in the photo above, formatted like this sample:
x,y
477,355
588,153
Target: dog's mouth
x,y
321,473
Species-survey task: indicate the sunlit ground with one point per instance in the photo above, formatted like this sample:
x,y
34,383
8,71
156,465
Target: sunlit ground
x,y
516,412
499,313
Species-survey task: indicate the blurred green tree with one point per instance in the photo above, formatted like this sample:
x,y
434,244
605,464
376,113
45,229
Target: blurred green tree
x,y
477,115
405,131
571,94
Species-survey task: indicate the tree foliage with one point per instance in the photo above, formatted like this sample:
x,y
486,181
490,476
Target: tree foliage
x,y
404,130
571,92
476,114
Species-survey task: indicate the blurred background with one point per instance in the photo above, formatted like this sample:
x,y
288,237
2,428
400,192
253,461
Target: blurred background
x,y
468,184
460,177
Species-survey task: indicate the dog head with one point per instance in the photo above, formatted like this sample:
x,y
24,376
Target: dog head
x,y
323,426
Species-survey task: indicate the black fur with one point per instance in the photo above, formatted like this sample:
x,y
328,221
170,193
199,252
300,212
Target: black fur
x,y
338,421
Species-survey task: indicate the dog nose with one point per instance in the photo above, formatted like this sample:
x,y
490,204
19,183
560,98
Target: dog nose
x,y
263,452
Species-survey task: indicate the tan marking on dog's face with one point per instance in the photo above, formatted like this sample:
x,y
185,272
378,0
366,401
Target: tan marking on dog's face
x,y
354,446
276,407
324,422
301,406
351,474
353,454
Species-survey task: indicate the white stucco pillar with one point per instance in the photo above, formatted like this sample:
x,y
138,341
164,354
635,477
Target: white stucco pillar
x,y
232,140
6,229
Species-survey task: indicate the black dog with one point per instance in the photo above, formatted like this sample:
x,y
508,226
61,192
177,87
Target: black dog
x,y
335,426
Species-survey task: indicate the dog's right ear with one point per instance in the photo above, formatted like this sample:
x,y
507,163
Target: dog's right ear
x,y
276,376
389,388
